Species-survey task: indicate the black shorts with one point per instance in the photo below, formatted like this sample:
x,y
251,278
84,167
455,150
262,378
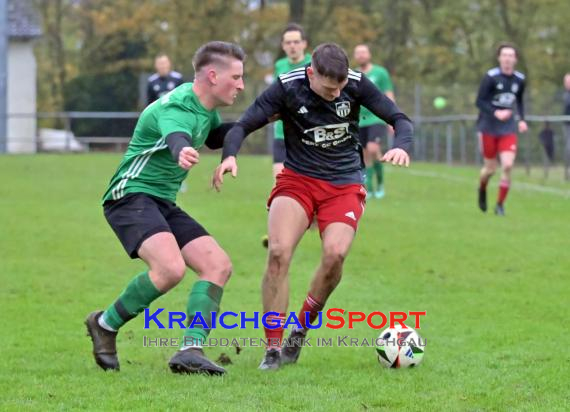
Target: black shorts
x,y
137,216
372,133
279,152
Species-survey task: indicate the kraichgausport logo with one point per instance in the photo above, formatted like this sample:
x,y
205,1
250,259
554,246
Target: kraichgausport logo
x,y
333,318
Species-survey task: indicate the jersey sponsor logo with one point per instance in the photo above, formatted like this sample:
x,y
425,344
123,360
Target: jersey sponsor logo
x,y
330,133
504,99
342,108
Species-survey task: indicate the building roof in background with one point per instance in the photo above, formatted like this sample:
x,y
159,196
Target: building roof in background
x,y
23,20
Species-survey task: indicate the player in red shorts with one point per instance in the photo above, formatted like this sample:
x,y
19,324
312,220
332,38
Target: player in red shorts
x,y
323,177
500,90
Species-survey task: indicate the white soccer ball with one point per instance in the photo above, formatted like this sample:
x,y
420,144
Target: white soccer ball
x,y
400,347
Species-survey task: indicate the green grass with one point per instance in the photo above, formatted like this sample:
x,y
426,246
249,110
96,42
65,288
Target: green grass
x,y
495,291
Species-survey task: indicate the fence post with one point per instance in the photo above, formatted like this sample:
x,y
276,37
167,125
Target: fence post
x,y
462,148
67,125
449,144
436,144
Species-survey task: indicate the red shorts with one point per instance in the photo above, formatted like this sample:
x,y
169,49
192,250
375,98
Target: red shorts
x,y
491,145
330,203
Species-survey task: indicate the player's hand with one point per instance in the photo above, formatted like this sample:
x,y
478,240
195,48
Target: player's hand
x,y
523,127
188,157
228,165
397,157
503,114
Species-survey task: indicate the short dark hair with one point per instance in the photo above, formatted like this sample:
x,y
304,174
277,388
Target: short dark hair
x,y
161,55
214,51
294,27
506,45
330,60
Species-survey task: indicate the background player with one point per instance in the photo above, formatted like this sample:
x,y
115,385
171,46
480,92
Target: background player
x,y
322,177
372,128
501,89
139,205
164,80
294,44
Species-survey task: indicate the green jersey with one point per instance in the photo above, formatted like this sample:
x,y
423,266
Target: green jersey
x,y
381,78
147,166
283,66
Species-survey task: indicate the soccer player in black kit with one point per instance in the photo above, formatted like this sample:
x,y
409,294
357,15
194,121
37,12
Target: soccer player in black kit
x,y
164,80
501,90
319,105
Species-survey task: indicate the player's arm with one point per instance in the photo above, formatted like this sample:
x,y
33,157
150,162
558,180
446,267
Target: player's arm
x,y
215,139
175,125
379,104
266,108
180,146
485,96
523,127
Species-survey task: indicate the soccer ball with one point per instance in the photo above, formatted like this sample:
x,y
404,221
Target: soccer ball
x,y
400,348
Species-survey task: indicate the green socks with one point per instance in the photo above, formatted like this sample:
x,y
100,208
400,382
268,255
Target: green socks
x,y
136,297
379,169
205,298
369,173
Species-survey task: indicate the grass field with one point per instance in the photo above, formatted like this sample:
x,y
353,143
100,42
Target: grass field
x,y
495,291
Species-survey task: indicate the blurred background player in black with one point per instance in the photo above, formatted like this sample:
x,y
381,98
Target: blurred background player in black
x,y
164,80
501,90
546,137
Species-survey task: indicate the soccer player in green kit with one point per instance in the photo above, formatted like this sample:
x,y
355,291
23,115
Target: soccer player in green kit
x,y
294,44
139,205
373,129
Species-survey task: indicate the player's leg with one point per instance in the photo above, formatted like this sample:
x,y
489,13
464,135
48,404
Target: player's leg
x,y
288,221
144,233
338,219
489,149
507,155
213,267
279,155
373,147
364,137
380,131
209,261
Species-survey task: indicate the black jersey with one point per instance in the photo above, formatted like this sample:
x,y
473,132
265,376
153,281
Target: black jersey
x,y
500,91
157,86
321,137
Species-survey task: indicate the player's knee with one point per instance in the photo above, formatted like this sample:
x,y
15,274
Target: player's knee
x,y
221,270
173,271
334,255
490,169
507,167
279,257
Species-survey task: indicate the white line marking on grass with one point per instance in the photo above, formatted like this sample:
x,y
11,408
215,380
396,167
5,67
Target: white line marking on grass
x,y
530,187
